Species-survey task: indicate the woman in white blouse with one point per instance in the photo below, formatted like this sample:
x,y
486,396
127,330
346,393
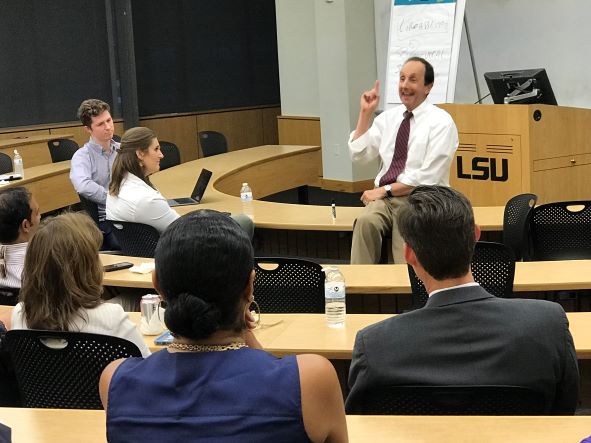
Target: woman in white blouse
x,y
132,197
62,283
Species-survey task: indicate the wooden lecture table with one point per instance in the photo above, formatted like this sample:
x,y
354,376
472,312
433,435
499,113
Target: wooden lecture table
x,y
33,148
76,425
50,185
393,278
287,334
268,169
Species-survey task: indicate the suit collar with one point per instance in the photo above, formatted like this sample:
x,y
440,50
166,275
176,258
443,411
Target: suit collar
x,y
457,295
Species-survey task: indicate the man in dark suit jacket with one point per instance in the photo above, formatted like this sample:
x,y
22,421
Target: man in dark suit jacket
x,y
463,335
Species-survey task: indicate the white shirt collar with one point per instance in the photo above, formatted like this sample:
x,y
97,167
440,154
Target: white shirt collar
x,y
465,285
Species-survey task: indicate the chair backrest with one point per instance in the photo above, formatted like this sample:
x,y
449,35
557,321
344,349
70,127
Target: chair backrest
x,y
516,223
212,143
493,266
62,369
449,400
9,296
136,239
90,207
62,149
5,163
288,285
172,156
561,231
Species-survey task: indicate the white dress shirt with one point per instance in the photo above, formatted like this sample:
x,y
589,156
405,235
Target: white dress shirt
x,y
14,262
139,203
432,144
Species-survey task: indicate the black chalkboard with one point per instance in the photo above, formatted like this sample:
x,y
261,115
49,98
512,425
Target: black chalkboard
x,y
190,55
206,54
53,54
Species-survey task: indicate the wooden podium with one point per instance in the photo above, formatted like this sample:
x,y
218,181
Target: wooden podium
x,y
511,149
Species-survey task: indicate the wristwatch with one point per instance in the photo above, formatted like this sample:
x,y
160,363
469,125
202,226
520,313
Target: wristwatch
x,y
388,189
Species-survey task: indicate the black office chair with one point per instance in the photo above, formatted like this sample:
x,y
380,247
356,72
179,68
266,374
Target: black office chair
x,y
288,285
90,207
110,244
493,267
136,239
516,224
57,369
561,231
5,163
62,149
212,143
449,400
172,156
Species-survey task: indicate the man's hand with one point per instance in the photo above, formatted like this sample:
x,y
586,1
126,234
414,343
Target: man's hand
x,y
367,106
373,194
370,99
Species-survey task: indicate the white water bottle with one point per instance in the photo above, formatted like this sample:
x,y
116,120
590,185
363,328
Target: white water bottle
x,y
334,298
246,198
18,164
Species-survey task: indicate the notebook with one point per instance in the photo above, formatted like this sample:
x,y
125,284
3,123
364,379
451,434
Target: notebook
x,y
198,191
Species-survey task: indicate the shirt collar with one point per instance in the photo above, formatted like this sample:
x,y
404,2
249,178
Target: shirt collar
x,y
465,285
419,110
99,149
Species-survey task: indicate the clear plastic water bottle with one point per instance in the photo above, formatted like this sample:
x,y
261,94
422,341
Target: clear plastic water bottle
x,y
18,164
246,198
334,298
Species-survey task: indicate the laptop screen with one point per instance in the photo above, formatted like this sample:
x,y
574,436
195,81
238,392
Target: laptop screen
x,y
201,184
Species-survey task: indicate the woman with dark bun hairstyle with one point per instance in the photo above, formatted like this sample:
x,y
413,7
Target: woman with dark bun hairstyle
x,y
215,383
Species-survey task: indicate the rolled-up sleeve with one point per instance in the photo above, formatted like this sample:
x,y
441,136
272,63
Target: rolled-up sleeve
x,y
366,147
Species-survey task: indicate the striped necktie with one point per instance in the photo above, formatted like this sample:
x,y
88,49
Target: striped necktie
x,y
400,151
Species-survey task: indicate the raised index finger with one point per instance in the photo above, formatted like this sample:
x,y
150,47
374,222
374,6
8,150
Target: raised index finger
x,y
376,87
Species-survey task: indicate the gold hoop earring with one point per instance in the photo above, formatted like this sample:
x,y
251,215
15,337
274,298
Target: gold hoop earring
x,y
256,314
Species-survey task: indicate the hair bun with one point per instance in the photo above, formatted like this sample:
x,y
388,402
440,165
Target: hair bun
x,y
190,316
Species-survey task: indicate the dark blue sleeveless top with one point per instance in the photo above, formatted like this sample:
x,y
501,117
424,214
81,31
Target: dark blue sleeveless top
x,y
241,395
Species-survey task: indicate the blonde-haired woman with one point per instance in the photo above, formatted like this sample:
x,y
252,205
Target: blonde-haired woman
x,y
62,283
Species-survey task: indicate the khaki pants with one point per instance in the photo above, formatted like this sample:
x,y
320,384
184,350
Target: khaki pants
x,y
378,220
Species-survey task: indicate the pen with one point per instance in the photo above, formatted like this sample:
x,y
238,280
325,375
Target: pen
x,y
334,211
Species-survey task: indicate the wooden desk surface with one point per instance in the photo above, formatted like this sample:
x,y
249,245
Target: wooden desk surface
x,y
270,169
308,333
76,425
50,185
33,148
393,279
31,139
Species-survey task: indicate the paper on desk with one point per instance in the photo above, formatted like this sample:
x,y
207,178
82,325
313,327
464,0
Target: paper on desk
x,y
143,268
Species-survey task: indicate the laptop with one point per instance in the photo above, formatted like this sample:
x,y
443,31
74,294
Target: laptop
x,y
198,191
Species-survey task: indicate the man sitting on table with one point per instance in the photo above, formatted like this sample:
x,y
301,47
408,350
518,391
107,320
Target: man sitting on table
x,y
463,335
415,142
91,165
19,217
